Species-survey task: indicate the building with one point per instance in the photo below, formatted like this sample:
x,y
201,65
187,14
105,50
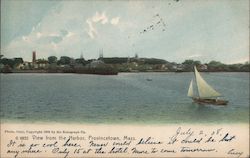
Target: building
x,y
19,66
34,57
96,63
178,67
41,64
160,67
26,65
203,67
1,66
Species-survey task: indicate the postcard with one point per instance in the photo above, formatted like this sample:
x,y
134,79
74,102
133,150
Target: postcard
x,y
144,78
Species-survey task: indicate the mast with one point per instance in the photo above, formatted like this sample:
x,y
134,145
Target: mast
x,y
204,89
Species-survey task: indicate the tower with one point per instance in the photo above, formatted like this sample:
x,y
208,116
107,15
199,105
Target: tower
x,y
33,56
136,56
101,54
128,59
81,56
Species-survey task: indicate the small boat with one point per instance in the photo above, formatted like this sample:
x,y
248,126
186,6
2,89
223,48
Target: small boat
x,y
149,79
205,93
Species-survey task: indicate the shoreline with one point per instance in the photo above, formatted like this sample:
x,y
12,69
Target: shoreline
x,y
45,72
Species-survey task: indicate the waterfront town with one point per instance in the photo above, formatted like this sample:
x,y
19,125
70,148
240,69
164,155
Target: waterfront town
x,y
110,65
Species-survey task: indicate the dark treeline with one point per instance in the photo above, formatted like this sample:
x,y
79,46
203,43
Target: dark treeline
x,y
122,64
215,66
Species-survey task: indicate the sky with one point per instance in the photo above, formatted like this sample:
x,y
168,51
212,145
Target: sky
x,y
174,30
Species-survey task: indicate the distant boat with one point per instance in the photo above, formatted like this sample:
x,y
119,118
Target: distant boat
x,y
206,94
149,79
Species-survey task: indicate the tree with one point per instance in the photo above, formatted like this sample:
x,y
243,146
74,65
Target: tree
x,y
245,67
52,59
18,61
216,66
189,64
6,61
115,60
81,61
154,61
197,63
64,60
235,67
214,63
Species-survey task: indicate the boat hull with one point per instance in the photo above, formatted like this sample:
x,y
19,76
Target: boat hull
x,y
217,102
97,71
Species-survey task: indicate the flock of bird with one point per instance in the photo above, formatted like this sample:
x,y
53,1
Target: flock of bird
x,y
157,23
160,22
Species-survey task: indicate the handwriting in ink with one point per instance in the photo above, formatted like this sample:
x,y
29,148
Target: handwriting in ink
x,y
65,151
234,152
68,144
189,149
149,140
227,138
119,150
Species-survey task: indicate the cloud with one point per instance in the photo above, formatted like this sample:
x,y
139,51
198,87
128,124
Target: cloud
x,y
195,56
49,39
92,31
97,18
70,27
25,38
70,34
240,60
115,21
64,32
38,34
54,45
100,18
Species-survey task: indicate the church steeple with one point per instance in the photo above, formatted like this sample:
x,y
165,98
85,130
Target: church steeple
x,y
101,54
81,56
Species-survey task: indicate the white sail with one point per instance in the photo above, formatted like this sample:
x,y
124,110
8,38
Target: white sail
x,y
204,89
190,90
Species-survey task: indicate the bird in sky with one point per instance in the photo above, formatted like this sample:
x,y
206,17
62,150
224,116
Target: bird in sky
x,y
160,22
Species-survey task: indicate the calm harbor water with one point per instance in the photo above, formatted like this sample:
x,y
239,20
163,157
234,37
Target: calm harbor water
x,y
126,98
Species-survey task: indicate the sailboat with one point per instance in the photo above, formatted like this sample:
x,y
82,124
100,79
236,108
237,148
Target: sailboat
x,y
206,94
